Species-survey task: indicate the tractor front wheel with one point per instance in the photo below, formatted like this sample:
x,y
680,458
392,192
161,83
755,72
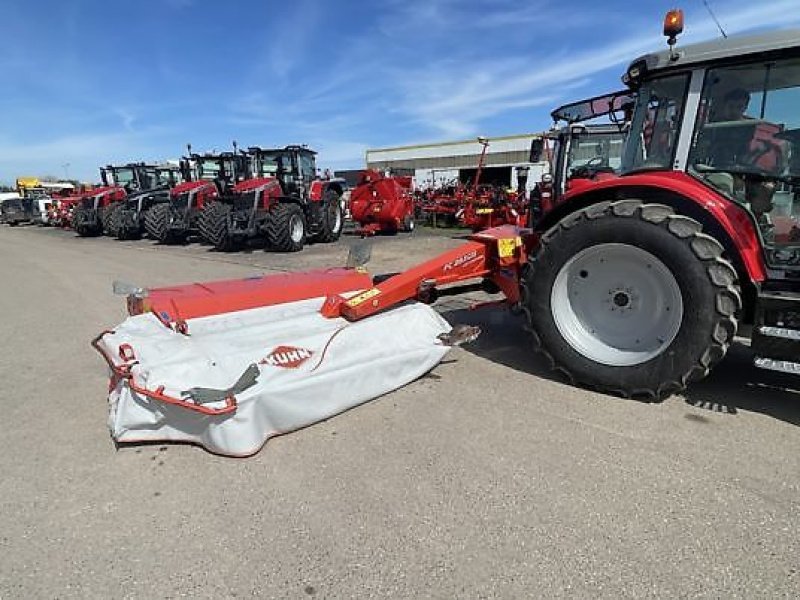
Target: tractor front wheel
x,y
214,225
79,220
332,219
408,224
286,228
109,218
157,221
631,298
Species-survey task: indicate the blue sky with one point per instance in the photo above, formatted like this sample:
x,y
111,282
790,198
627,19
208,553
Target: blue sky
x,y
88,82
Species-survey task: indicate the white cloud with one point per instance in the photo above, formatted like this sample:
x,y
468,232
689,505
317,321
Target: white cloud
x,y
84,153
453,96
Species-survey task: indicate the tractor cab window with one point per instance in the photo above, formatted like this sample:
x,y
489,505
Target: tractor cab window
x,y
148,178
592,152
125,178
268,164
307,166
746,144
212,169
166,177
656,124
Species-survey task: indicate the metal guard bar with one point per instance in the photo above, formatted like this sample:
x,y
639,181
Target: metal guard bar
x,y
124,372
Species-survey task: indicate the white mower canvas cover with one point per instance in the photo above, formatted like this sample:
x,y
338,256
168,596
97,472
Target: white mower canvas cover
x,y
288,365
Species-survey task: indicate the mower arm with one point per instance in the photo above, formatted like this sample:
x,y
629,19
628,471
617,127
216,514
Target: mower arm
x,y
495,256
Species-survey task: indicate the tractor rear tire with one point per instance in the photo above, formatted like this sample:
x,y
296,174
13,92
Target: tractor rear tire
x,y
286,228
214,225
157,221
332,218
631,299
109,218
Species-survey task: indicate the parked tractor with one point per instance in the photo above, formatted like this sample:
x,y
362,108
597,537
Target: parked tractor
x,y
639,281
92,212
127,218
381,203
214,173
284,203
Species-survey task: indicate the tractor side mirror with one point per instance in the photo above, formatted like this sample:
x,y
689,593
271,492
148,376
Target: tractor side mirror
x,y
537,148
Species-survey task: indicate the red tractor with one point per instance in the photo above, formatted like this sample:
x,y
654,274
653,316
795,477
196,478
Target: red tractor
x,y
92,212
382,203
127,218
214,173
284,203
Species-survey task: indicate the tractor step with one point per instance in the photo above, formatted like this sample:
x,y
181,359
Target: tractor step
x,y
782,366
776,332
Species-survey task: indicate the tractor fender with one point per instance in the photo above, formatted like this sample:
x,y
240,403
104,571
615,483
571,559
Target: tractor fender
x,y
319,187
728,222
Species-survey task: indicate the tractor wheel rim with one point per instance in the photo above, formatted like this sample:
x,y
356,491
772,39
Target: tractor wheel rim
x,y
617,305
296,229
336,209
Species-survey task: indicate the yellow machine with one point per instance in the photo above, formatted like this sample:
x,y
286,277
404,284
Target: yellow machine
x,y
33,186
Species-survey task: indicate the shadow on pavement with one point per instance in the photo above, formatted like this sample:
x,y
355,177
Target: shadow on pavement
x,y
734,385
502,339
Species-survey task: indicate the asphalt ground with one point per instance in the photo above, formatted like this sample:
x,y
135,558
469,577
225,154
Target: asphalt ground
x,y
484,479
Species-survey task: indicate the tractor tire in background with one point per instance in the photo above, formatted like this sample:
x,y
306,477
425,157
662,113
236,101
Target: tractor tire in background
x,y
332,218
213,225
157,222
631,298
109,217
286,228
127,234
408,224
83,230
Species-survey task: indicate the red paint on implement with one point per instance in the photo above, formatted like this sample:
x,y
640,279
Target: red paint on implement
x,y
204,299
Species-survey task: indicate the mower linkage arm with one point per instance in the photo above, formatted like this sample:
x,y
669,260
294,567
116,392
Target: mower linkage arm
x,y
495,256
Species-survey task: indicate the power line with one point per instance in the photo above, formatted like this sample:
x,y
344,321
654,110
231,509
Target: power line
x,y
713,16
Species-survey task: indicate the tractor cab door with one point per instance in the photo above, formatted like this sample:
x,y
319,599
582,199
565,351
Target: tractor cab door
x,y
308,168
746,145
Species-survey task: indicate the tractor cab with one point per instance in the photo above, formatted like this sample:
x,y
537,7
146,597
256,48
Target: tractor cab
x,y
132,176
225,168
727,114
293,166
170,175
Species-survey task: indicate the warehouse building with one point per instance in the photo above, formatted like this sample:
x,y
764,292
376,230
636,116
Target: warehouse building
x,y
448,162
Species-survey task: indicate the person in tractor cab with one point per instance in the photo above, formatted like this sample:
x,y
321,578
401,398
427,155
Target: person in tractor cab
x,y
749,157
734,106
